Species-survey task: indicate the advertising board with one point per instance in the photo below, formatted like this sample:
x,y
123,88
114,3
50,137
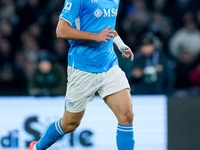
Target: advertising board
x,y
24,119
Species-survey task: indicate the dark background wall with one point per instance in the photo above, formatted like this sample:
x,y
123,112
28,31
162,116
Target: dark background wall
x,y
184,123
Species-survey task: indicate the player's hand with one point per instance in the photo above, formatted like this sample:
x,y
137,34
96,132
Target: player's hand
x,y
128,53
104,35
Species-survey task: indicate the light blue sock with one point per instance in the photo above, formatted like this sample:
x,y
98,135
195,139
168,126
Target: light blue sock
x,y
53,133
125,139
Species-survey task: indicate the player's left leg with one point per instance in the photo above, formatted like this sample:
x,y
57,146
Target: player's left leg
x,y
121,104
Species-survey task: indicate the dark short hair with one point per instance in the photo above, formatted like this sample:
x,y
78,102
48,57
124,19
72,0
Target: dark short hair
x,y
147,41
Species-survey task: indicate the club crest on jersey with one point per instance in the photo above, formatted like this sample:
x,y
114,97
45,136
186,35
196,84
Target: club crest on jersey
x,y
68,6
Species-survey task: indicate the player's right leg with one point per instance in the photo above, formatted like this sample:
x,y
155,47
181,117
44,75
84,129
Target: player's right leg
x,y
68,123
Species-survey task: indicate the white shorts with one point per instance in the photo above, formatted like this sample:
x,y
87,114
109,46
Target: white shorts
x,y
82,86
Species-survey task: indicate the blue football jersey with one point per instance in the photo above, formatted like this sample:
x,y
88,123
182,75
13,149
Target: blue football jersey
x,y
91,16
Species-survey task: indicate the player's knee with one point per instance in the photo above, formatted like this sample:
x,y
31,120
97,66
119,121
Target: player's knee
x,y
70,127
127,118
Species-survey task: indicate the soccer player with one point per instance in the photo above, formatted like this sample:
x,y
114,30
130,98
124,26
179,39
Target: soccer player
x,y
92,66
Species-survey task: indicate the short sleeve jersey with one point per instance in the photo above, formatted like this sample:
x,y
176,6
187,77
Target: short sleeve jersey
x,y
91,16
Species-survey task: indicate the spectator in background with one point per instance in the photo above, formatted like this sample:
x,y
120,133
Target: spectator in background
x,y
162,27
7,80
187,38
49,32
151,72
6,28
8,11
136,17
31,47
185,47
184,65
60,49
6,55
159,5
12,81
177,8
194,77
28,13
48,78
53,6
34,30
22,64
198,19
6,70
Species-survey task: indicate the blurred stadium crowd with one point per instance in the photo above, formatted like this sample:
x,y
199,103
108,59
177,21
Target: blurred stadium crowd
x,y
163,34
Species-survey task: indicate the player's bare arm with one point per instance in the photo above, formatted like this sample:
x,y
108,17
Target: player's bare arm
x,y
64,30
126,51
